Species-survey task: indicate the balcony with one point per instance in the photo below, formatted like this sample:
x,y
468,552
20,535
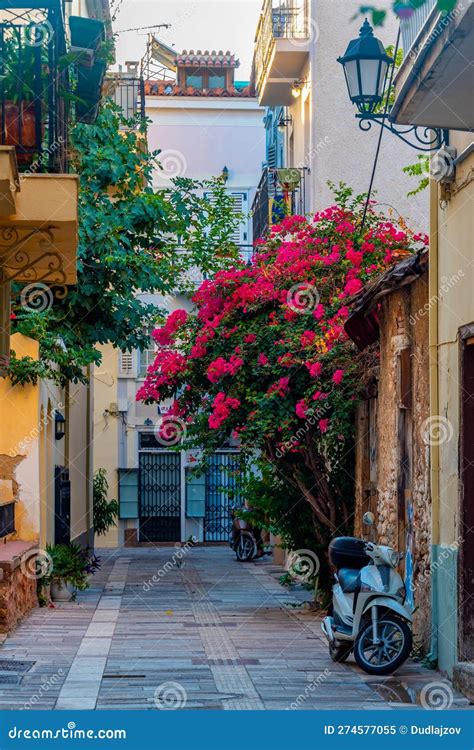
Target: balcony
x,y
129,95
38,198
282,45
434,84
280,192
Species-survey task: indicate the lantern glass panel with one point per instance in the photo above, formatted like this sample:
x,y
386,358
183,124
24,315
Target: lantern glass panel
x,y
352,78
369,71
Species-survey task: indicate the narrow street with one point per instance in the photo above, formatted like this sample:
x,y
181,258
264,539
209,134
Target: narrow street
x,y
213,634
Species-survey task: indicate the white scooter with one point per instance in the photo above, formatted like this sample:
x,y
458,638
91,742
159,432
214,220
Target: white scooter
x,y
367,614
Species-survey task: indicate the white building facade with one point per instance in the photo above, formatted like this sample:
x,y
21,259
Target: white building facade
x,y
206,125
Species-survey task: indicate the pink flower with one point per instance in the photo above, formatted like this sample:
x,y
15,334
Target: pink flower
x,y
315,369
221,408
217,370
262,359
323,425
250,338
338,376
353,286
307,338
301,409
318,312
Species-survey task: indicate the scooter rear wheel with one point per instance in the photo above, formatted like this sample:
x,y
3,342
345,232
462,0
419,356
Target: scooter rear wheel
x,y
394,647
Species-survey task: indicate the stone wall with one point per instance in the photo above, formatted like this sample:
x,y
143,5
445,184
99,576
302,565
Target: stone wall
x,y
400,449
17,583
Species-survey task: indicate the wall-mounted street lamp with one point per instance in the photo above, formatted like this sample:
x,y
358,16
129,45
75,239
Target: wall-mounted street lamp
x,y
225,174
297,88
369,73
59,426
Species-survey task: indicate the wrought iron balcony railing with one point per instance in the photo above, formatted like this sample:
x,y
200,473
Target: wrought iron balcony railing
x,y
34,84
280,19
129,95
280,192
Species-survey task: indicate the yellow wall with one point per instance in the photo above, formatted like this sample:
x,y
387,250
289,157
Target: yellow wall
x,y
19,444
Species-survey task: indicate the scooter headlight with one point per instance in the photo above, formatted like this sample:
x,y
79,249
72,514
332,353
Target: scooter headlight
x,y
393,558
401,593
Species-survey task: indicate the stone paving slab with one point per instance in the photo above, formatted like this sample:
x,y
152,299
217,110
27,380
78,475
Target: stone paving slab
x,y
213,635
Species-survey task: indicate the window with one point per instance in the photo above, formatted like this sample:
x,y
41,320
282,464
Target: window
x,y
196,81
216,81
146,357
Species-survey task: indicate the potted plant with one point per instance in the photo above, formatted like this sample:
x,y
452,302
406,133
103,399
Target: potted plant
x,y
18,86
69,573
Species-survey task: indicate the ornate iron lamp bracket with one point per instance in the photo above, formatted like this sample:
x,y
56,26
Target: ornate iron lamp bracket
x,y
421,138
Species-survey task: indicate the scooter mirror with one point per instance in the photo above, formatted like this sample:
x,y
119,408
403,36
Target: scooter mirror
x,y
368,519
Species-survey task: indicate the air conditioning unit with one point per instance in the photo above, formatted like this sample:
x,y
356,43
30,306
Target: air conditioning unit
x,y
443,165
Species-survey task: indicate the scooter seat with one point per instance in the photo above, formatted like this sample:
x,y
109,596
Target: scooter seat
x,y
349,580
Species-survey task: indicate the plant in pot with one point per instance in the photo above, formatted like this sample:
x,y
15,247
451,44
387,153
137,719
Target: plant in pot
x,y
69,572
21,89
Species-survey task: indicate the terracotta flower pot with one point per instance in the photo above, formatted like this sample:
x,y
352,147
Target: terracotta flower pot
x,y
25,136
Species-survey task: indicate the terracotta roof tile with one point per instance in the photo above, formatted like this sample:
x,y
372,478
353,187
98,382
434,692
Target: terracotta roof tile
x,y
207,59
170,88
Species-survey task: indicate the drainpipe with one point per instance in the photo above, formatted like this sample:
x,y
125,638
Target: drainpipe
x,y
434,411
89,466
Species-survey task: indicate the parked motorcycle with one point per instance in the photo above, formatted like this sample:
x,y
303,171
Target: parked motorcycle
x,y
245,538
367,614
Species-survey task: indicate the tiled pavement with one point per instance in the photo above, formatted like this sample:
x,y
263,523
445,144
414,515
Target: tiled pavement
x,y
213,634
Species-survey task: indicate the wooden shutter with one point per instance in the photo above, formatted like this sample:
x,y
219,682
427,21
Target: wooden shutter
x,y
126,364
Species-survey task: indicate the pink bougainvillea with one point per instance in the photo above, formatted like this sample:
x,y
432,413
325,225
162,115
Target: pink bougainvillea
x,y
265,346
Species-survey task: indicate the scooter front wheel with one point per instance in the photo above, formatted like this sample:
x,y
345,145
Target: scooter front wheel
x,y
245,549
393,648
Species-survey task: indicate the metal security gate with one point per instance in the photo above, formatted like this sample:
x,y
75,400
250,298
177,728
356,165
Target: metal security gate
x,y
222,493
159,495
62,505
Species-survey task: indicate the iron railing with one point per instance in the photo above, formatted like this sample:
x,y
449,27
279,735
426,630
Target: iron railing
x,y
411,27
33,83
129,95
272,201
280,19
